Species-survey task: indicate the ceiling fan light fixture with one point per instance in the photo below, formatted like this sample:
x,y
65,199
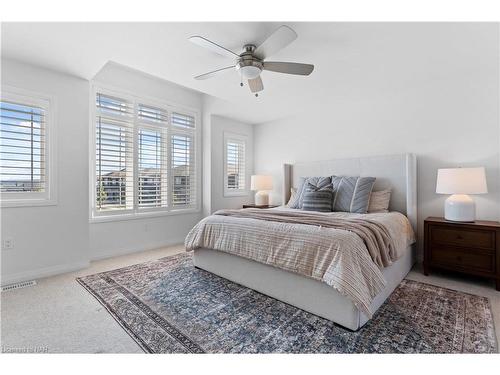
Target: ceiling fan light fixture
x,y
250,71
253,60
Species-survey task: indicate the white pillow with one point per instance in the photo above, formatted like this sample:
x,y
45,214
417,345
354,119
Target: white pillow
x,y
293,197
379,201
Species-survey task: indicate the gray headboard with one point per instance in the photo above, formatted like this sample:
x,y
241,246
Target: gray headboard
x,y
398,172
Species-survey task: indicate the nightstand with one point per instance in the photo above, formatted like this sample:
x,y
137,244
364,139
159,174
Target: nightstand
x,y
471,248
258,206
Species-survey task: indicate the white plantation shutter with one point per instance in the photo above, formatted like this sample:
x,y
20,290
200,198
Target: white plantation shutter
x,y
183,170
152,157
183,121
113,106
114,154
145,157
234,164
153,114
22,148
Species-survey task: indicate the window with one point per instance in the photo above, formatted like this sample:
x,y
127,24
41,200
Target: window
x,y
24,149
234,165
145,157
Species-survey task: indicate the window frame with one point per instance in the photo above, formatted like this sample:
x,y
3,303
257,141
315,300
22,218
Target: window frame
x,y
235,192
142,123
48,103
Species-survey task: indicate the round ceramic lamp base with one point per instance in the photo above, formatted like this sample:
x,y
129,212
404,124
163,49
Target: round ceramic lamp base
x,y
262,198
460,207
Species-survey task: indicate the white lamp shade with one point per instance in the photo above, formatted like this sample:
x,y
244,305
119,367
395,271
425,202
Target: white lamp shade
x,y
461,181
261,182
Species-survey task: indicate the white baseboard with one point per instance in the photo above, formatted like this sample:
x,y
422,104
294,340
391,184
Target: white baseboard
x,y
43,272
127,251
64,268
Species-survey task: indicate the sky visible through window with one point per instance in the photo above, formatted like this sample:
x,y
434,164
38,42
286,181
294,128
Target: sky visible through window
x,y
21,147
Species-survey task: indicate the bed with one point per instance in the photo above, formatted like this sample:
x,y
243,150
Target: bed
x,y
395,171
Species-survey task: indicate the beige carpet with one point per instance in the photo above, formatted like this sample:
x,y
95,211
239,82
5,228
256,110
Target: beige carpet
x,y
59,315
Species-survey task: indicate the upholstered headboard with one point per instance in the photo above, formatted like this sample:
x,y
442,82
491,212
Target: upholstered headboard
x,y
398,172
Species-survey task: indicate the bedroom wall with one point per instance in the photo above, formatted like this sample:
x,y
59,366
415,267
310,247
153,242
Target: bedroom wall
x,y
220,125
125,236
447,113
52,239
214,126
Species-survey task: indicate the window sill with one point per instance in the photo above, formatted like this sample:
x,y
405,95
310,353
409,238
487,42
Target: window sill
x,y
141,215
12,203
229,194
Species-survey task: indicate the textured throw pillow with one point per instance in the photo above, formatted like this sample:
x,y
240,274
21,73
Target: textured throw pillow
x,y
293,197
315,181
352,194
379,201
318,198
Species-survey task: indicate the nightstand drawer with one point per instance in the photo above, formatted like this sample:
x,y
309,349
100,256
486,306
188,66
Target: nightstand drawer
x,y
463,237
473,260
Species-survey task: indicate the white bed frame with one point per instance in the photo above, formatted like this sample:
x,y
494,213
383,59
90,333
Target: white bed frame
x,y
396,171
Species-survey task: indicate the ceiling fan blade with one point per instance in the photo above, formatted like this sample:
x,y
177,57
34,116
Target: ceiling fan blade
x,y
256,84
282,37
214,47
289,67
213,73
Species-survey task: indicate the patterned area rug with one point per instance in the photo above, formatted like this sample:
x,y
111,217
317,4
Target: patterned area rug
x,y
169,306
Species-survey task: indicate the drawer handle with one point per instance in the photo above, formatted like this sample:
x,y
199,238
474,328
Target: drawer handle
x,y
459,237
459,258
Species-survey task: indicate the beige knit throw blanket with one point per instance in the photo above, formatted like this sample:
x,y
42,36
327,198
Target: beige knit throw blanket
x,y
375,235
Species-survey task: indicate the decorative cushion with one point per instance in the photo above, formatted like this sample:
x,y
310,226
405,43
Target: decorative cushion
x,y
293,197
316,181
352,194
379,201
318,198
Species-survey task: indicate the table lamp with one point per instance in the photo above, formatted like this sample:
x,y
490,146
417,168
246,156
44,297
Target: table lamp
x,y
459,182
262,184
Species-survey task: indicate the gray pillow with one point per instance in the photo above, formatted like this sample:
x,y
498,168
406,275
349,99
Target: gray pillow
x,y
352,194
316,181
318,198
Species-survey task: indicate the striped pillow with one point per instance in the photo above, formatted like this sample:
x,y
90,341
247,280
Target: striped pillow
x,y
301,189
352,194
318,198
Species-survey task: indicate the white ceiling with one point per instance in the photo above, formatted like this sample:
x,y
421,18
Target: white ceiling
x,y
348,57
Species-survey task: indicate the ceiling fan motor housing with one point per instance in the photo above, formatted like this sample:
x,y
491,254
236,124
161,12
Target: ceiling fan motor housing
x,y
248,65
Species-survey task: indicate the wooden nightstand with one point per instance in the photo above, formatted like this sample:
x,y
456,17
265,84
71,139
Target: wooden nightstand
x,y
258,206
472,248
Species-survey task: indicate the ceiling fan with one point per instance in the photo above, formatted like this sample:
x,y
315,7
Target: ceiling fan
x,y
250,63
